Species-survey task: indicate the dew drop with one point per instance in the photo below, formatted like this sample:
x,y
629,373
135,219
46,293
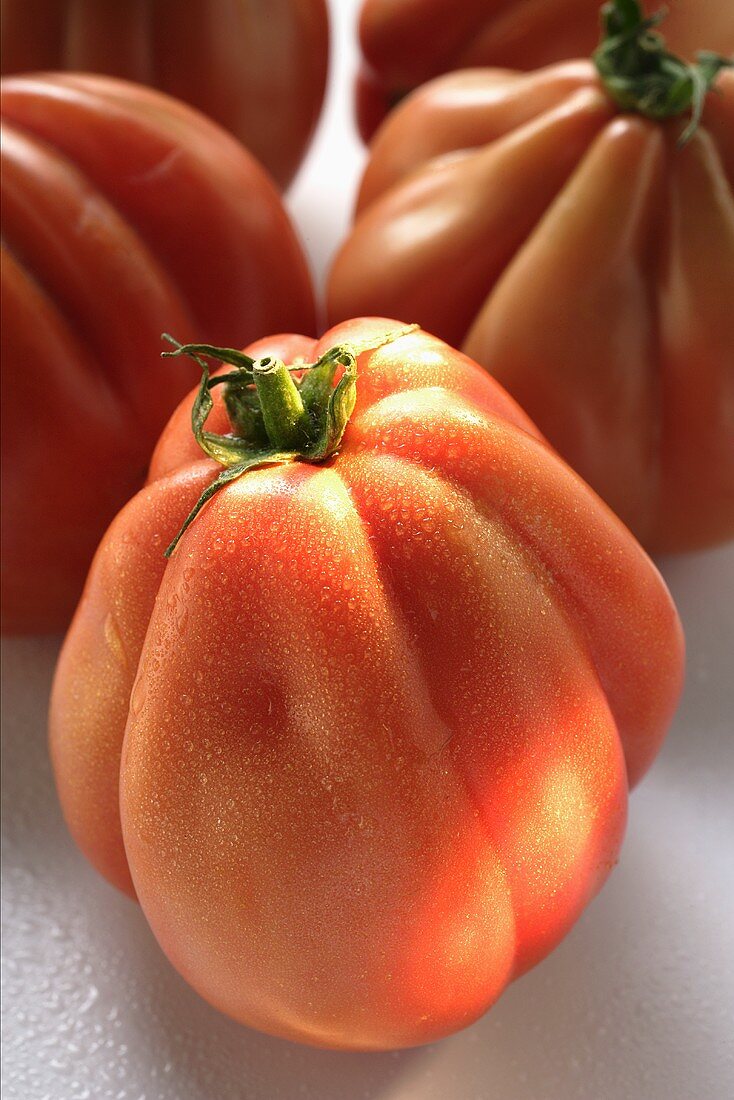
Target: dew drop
x,y
137,698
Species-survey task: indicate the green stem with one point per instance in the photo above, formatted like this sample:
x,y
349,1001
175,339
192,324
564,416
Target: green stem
x,y
641,76
286,421
276,418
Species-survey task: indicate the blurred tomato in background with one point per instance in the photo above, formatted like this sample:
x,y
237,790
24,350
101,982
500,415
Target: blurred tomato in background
x,y
258,69
406,42
584,258
125,214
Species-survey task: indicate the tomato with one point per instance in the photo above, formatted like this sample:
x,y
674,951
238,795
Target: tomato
x,y
371,728
257,69
584,258
125,214
407,42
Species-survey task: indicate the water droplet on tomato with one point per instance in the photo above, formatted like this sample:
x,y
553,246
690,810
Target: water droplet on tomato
x,y
137,698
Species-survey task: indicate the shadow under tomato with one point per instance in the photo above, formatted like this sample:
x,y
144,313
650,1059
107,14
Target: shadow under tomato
x,y
208,1055
623,1008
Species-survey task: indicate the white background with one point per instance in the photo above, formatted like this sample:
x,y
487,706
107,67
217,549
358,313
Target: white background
x,y
637,1004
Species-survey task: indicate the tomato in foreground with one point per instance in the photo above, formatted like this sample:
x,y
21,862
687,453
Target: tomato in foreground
x,y
572,246
407,42
257,68
362,746
125,214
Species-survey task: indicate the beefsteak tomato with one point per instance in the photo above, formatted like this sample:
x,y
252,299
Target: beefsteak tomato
x,y
258,69
585,258
365,740
124,213
407,42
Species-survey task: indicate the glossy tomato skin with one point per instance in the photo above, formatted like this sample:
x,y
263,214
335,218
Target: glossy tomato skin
x,y
125,215
590,262
257,69
383,712
407,42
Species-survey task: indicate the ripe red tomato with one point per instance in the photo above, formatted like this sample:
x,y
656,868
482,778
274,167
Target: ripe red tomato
x,y
125,214
584,258
258,69
407,42
371,728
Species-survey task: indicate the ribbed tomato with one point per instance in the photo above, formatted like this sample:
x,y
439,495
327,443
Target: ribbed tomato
x,y
258,69
125,214
581,255
371,728
407,42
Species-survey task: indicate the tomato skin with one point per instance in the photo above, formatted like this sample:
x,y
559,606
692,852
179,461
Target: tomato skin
x,y
590,259
383,713
122,212
258,70
407,42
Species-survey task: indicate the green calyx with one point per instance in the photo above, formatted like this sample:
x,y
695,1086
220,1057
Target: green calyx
x,y
641,76
278,413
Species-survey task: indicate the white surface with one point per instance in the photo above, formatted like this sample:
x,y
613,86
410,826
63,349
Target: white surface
x,y
323,193
637,1004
